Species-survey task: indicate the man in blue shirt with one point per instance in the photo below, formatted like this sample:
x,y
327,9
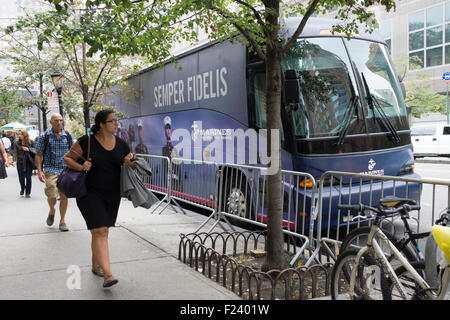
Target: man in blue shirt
x,y
51,147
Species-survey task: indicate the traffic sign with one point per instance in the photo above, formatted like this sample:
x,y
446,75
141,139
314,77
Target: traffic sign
x,y
446,77
52,102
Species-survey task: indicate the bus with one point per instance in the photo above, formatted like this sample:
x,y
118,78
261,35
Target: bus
x,y
342,108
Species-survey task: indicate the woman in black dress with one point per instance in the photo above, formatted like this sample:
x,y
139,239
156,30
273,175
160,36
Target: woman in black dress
x,y
101,205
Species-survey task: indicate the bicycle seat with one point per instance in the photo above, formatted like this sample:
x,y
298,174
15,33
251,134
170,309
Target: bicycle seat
x,y
392,201
441,235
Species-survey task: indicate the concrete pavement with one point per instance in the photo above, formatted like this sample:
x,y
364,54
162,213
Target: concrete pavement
x,y
40,262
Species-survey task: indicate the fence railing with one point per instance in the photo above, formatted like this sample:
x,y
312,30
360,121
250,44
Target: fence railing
x,y
352,188
160,181
237,195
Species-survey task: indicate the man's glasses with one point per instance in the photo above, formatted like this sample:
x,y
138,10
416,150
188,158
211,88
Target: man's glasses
x,y
115,121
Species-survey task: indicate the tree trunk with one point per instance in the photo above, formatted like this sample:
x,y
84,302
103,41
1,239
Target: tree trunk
x,y
44,118
85,89
87,119
275,256
41,107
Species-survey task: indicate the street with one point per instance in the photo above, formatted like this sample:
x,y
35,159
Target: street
x,y
432,171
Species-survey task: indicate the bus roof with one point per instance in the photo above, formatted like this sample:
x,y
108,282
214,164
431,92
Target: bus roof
x,y
323,26
315,27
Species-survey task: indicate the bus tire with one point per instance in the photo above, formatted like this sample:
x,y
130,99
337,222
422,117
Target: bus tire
x,y
236,200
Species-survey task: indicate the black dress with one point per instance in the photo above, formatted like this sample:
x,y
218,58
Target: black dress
x,y
101,205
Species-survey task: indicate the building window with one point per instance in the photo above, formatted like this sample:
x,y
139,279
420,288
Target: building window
x,y
429,37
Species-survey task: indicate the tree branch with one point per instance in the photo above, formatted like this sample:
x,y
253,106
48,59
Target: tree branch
x,y
244,32
71,66
255,12
94,90
301,26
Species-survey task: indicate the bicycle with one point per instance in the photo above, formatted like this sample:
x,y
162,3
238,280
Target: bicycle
x,y
357,238
433,267
371,274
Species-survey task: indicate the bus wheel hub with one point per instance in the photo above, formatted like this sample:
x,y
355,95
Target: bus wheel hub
x,y
236,203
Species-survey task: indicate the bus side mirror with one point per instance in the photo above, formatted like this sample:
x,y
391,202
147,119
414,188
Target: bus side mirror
x,y
291,88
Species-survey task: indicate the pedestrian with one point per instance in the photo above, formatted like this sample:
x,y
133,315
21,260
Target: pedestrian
x,y
23,150
100,206
51,147
10,136
3,161
6,142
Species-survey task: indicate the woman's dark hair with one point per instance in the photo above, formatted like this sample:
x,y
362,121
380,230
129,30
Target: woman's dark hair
x,y
100,117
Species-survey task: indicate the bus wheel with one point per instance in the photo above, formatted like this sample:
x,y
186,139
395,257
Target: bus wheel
x,y
237,202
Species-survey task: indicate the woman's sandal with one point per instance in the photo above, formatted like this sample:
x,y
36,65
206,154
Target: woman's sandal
x,y
97,270
109,283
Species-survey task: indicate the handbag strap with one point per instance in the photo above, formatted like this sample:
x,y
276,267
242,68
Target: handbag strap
x,y
89,149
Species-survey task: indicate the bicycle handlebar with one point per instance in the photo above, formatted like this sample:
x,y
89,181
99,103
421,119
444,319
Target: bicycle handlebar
x,y
354,207
444,219
362,207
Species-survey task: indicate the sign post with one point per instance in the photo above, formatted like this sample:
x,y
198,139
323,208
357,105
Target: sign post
x,y
446,78
52,102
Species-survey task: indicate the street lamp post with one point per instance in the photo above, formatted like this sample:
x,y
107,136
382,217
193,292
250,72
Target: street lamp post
x,y
57,79
446,78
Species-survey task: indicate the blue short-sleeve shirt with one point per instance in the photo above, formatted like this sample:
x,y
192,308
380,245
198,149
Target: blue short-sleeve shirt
x,y
55,151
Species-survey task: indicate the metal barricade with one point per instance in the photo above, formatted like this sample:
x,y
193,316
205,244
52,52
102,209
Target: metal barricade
x,y
160,181
351,188
243,199
195,182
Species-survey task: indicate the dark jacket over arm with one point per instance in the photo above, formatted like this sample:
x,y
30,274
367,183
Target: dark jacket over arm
x,y
132,187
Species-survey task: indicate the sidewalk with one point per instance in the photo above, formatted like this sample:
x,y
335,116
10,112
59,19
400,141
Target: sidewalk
x,y
39,262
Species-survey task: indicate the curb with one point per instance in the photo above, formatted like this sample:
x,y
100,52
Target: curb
x,y
432,160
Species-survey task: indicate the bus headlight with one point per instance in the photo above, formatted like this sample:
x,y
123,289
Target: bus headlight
x,y
406,169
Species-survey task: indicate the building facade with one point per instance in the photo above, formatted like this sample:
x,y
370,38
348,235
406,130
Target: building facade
x,y
420,31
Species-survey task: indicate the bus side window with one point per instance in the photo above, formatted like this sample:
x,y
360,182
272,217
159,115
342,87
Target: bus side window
x,y
259,89
446,130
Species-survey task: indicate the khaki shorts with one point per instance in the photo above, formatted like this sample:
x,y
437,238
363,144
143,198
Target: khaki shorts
x,y
51,190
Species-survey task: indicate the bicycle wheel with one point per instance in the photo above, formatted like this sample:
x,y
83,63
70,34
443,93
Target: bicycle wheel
x,y
370,284
357,238
412,289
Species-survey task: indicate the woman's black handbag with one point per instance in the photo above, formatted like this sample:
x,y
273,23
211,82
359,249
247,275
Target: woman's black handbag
x,y
72,182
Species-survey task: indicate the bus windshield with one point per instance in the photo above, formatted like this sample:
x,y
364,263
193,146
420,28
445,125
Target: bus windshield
x,y
328,87
371,61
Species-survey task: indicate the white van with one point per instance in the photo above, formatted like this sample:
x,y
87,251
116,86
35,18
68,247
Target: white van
x,y
431,140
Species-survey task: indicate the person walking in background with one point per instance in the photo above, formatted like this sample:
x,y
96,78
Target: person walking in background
x,y
3,161
6,143
51,147
11,137
101,205
23,148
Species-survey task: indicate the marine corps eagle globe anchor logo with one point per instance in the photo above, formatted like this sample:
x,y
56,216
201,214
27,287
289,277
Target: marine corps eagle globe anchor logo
x,y
372,164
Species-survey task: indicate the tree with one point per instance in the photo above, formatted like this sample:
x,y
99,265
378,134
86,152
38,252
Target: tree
x,y
32,67
10,106
138,24
86,74
418,94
